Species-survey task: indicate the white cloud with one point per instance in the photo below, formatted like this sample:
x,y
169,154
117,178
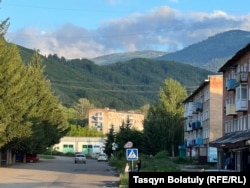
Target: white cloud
x,y
163,29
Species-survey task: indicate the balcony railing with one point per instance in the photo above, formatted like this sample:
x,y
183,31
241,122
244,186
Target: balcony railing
x,y
230,109
241,77
241,105
231,84
196,125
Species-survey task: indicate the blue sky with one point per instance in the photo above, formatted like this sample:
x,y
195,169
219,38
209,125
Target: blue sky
x,y
92,28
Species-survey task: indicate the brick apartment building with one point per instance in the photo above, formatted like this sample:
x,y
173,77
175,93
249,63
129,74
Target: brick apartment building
x,y
103,119
203,119
235,141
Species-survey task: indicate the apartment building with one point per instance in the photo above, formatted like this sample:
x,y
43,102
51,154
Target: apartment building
x,y
235,141
203,119
103,119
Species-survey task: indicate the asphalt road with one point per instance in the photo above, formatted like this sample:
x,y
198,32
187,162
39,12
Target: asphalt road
x,y
61,172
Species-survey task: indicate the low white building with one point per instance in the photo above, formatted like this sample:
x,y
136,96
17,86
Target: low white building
x,y
86,145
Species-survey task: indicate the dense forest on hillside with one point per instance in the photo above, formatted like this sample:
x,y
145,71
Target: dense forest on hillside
x,y
123,86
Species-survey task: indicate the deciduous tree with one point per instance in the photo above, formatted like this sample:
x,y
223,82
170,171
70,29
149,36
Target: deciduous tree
x,y
163,127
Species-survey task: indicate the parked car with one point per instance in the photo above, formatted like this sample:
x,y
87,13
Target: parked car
x,y
80,158
102,157
31,158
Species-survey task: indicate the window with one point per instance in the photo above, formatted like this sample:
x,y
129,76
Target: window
x,y
206,133
241,92
248,122
244,122
235,125
226,127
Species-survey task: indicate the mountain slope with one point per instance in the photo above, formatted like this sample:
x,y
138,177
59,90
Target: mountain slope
x,y
209,54
123,86
126,56
213,52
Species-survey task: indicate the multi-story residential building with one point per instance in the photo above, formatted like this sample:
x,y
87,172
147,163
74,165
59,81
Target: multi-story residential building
x,y
236,113
203,119
104,119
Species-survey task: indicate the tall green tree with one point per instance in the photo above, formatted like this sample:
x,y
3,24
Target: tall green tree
x,y
4,26
82,110
44,112
14,95
109,141
48,118
163,127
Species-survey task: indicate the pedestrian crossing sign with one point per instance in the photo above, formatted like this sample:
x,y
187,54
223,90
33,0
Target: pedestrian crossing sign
x,y
132,154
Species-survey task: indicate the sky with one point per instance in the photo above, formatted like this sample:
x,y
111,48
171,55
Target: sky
x,y
93,28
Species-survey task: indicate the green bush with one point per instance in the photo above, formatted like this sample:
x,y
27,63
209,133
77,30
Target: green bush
x,y
124,179
162,155
182,160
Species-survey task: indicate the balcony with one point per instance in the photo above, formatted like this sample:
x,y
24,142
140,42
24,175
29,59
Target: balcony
x,y
241,105
231,84
230,110
189,126
187,143
196,125
241,77
199,141
198,106
188,109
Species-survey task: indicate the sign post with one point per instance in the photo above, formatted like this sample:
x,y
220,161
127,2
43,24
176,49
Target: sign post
x,y
132,154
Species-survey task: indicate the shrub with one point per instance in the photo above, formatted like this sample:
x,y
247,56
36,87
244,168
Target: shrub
x,y
124,179
162,155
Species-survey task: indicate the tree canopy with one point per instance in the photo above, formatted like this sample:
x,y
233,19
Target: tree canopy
x,y
163,127
31,115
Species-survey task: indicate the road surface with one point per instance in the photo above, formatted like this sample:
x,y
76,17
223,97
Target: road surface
x,y
61,172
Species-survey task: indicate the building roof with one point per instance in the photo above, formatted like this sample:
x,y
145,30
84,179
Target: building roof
x,y
232,62
234,139
200,88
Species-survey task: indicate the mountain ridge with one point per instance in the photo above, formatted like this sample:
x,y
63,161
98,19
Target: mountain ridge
x,y
209,54
135,82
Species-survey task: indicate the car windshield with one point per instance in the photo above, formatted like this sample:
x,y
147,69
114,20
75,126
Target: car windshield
x,y
80,155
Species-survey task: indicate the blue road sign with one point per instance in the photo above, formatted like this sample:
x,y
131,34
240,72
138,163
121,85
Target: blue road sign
x,y
132,154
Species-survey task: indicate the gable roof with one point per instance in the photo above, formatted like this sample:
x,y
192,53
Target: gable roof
x,y
235,58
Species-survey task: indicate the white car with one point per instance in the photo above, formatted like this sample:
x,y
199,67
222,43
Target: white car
x,y
80,158
102,157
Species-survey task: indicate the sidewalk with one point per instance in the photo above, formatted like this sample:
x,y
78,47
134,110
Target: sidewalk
x,y
190,168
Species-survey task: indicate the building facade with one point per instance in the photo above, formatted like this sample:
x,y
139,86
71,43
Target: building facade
x,y
103,119
203,119
86,145
235,141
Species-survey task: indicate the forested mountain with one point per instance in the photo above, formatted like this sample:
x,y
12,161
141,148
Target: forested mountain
x,y
209,54
123,86
136,77
213,52
126,56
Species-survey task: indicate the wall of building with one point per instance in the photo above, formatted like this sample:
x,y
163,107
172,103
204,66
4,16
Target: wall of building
x,y
103,119
216,107
87,145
